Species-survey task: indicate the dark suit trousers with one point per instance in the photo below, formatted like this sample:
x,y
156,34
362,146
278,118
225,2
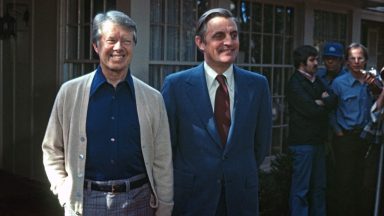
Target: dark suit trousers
x,y
347,190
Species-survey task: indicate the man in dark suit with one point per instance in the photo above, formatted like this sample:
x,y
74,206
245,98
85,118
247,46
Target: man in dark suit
x,y
220,121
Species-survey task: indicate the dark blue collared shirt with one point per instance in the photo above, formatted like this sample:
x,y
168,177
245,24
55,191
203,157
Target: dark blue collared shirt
x,y
113,132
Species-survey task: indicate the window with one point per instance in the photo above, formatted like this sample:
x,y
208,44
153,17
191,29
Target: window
x,y
79,57
172,34
329,26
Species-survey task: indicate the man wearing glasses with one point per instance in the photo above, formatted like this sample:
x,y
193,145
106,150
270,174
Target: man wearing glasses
x,y
352,114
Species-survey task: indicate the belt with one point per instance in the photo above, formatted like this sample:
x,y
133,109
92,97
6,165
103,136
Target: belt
x,y
116,188
354,131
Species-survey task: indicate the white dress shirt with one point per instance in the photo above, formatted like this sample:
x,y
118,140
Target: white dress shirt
x,y
213,84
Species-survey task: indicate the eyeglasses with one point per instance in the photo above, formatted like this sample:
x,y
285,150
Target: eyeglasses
x,y
358,59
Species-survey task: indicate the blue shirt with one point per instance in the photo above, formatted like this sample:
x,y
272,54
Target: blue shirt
x,y
354,103
321,73
113,132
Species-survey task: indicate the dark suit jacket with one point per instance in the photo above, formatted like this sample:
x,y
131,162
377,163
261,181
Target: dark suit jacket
x,y
201,164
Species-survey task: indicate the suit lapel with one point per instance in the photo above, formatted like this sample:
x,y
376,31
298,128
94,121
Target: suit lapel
x,y
241,100
197,91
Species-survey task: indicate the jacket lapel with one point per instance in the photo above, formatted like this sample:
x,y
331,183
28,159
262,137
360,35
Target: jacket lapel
x,y
197,92
241,99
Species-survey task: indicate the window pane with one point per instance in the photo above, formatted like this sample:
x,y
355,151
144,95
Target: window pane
x,y
244,48
289,26
188,33
329,26
173,12
72,10
279,47
72,42
256,17
172,43
245,16
98,6
188,50
279,20
268,18
87,46
111,5
256,49
288,51
267,49
157,10
156,43
278,81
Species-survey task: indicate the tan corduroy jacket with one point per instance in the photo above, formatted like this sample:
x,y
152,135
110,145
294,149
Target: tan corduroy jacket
x,y
65,142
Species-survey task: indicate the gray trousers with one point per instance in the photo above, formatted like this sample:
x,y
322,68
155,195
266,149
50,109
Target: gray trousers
x,y
132,203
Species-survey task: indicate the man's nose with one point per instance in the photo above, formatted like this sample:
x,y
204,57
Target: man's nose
x,y
228,39
117,45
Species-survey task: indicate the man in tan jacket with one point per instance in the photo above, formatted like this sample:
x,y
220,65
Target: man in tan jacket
x,y
107,146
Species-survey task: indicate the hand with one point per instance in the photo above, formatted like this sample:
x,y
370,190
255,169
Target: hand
x,y
319,102
369,78
324,94
339,133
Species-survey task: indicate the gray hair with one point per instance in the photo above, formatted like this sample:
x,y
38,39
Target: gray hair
x,y
356,46
201,25
116,17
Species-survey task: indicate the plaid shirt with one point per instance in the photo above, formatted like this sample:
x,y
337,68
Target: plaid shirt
x,y
373,131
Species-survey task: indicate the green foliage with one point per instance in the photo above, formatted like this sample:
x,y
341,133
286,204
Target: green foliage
x,y
275,186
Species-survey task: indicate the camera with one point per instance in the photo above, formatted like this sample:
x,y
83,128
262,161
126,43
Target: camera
x,y
374,80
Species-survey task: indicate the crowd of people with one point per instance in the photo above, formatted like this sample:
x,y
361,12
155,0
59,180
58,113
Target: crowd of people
x,y
334,164
116,146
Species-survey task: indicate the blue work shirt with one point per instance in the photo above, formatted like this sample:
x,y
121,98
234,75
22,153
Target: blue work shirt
x,y
113,132
321,73
354,103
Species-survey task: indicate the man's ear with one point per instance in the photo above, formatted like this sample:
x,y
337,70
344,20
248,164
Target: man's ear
x,y
301,66
95,48
199,43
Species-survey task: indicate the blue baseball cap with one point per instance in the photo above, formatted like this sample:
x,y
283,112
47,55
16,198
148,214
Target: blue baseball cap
x,y
333,49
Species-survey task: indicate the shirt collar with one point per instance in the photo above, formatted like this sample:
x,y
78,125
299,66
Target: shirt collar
x,y
310,77
351,79
210,75
100,79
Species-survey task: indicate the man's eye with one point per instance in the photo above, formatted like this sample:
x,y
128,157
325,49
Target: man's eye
x,y
219,36
127,42
111,41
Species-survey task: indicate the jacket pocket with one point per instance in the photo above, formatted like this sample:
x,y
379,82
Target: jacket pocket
x,y
63,192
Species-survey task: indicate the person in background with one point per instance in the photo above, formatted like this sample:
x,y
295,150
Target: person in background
x,y
107,147
221,122
333,58
308,123
352,114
